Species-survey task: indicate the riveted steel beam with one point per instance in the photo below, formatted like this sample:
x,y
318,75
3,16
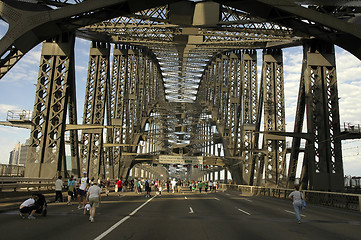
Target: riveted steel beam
x,y
91,151
46,154
274,117
323,168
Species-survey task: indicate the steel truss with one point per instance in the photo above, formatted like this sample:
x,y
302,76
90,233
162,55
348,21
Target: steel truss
x,y
274,118
91,150
168,63
322,164
55,91
136,89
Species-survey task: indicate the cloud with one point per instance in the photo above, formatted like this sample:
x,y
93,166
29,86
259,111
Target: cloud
x,y
4,108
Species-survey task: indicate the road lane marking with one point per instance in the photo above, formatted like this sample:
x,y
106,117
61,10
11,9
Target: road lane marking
x,y
217,199
122,220
185,198
191,210
295,213
244,211
247,200
228,194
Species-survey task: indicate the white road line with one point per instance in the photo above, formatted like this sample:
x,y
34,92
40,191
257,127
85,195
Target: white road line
x,y
217,199
247,200
294,213
191,210
122,220
244,211
185,198
228,194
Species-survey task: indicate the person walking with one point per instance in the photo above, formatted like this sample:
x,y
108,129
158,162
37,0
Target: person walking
x,y
120,186
147,188
168,185
297,198
173,182
200,186
84,185
94,198
210,186
215,186
59,189
71,189
107,186
136,187
205,186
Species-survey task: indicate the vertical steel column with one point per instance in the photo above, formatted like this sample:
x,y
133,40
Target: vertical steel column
x,y
46,154
94,108
325,157
73,119
249,113
274,117
119,79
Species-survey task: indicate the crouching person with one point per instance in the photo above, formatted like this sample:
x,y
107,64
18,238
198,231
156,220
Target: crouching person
x,y
29,207
94,198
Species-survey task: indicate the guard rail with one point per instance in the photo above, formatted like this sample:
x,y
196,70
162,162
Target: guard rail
x,y
331,199
27,184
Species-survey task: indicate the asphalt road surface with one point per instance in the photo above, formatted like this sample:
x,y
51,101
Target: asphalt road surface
x,y
186,215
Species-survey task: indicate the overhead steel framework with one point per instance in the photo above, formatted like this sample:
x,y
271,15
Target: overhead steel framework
x,y
180,78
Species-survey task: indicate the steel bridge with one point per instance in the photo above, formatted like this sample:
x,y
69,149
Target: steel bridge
x,y
179,78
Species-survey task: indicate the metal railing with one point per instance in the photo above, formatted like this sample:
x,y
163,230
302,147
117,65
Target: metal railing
x,y
25,184
352,128
331,199
19,115
7,170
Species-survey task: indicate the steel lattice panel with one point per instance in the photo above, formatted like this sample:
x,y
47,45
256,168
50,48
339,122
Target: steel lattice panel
x,y
274,117
94,108
46,155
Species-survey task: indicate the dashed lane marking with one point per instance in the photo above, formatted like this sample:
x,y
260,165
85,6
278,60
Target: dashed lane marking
x,y
217,199
244,211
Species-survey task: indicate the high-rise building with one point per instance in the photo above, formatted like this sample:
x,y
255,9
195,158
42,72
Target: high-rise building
x,y
19,153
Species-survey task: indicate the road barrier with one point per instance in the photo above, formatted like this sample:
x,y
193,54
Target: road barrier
x,y
331,199
25,184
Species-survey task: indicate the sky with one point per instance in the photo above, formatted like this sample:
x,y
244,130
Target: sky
x,y
17,89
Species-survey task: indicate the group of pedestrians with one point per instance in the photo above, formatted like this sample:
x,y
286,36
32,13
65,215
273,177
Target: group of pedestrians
x,y
87,192
212,186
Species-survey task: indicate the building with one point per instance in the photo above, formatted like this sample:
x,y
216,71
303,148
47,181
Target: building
x,y
19,153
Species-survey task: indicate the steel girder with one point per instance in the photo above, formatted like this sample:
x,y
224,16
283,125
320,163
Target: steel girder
x,y
229,90
32,23
249,99
322,164
56,84
274,117
136,88
91,151
221,95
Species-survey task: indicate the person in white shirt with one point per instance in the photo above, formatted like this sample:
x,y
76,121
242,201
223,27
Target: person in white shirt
x,y
297,198
84,184
59,189
29,206
215,186
94,198
173,183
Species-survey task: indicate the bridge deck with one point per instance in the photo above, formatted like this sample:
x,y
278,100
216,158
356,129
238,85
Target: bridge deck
x,y
187,215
